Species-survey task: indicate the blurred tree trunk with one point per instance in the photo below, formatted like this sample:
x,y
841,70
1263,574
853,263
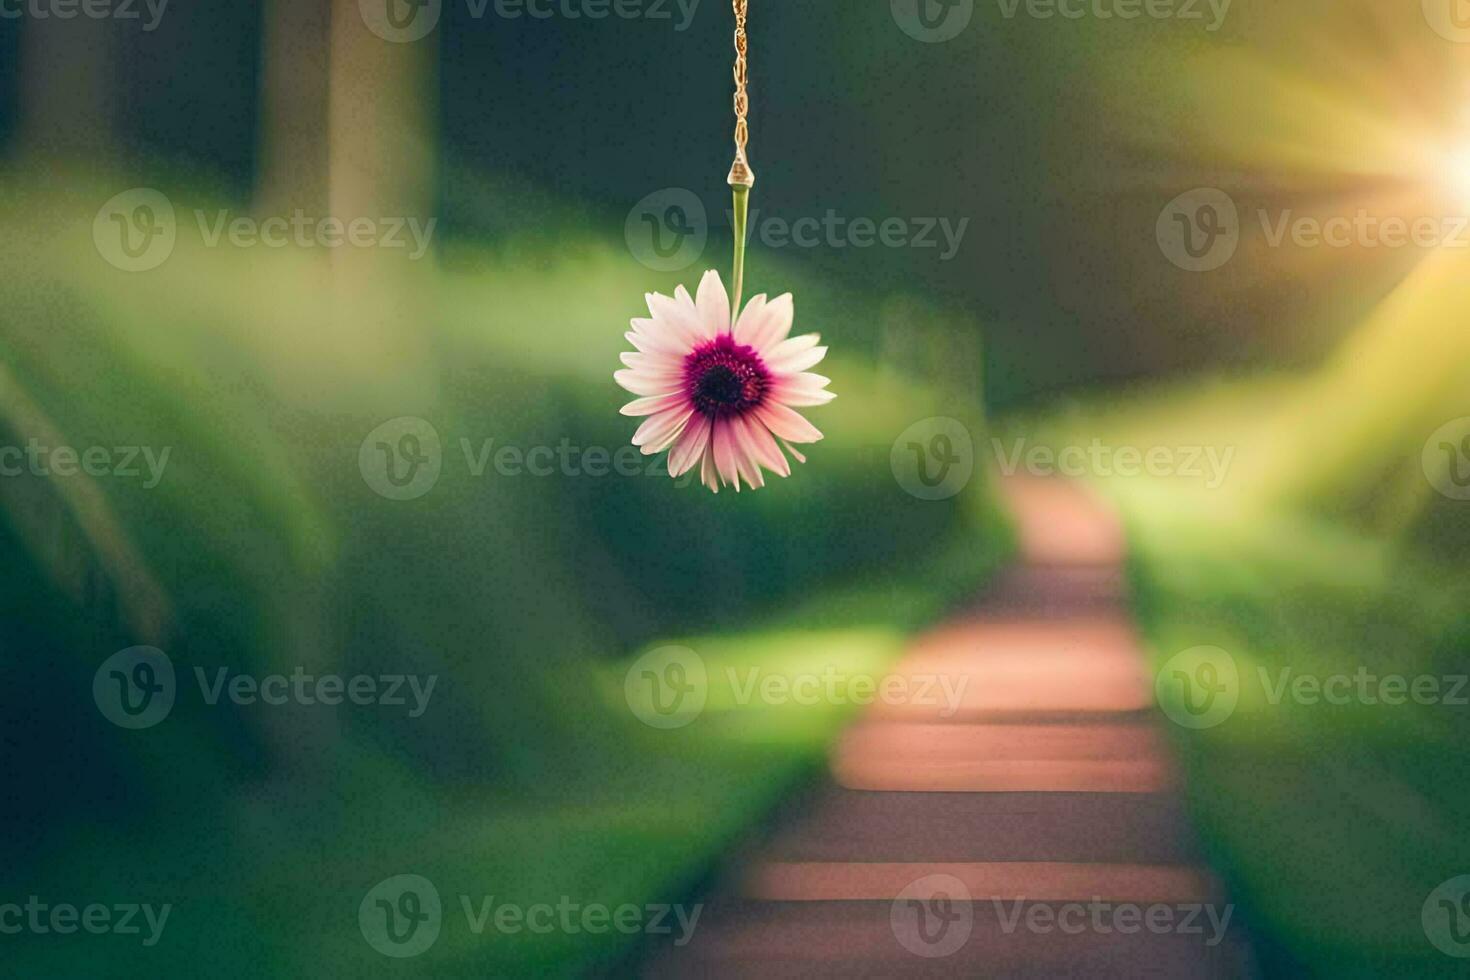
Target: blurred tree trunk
x,y
380,122
348,134
347,116
382,137
68,85
295,67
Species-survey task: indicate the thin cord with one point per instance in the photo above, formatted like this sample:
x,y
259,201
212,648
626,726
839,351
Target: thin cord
x,y
741,174
741,178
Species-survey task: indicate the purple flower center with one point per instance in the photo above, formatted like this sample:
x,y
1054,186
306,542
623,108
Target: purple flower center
x,y
725,379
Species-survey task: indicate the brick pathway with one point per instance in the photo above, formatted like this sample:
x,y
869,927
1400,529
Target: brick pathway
x,y
1012,837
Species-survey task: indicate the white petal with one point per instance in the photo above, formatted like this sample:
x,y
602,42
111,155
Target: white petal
x,y
707,474
798,393
676,314
643,384
724,446
773,324
745,455
787,424
658,432
655,404
750,318
756,439
714,306
661,345
795,355
690,447
806,379
656,363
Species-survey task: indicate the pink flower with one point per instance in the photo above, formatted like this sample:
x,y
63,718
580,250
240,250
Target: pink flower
x,y
717,397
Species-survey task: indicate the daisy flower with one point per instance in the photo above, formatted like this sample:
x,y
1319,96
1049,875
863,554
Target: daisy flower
x,y
720,397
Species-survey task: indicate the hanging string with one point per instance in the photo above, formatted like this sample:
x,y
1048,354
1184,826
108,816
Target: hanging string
x,y
741,178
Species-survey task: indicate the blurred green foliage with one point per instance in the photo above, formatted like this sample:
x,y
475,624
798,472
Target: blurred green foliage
x,y
264,549
1332,823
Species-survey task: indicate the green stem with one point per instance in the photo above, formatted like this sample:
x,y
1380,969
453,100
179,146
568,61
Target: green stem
x,y
742,210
